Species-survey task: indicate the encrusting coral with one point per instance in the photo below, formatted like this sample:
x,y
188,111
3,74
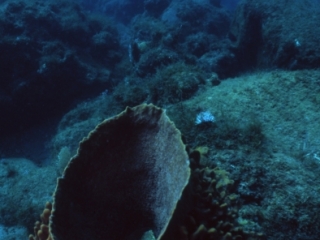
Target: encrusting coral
x,y
41,229
215,210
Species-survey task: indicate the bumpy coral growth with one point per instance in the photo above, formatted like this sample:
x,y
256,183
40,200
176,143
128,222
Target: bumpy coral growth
x,y
41,229
215,211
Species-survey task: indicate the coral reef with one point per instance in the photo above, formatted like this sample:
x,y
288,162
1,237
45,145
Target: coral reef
x,y
262,129
55,53
26,185
214,212
208,208
154,59
276,34
175,83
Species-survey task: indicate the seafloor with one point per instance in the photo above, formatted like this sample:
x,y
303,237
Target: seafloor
x,y
265,134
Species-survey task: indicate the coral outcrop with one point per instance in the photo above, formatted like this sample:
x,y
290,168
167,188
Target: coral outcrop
x,y
214,212
41,229
276,34
41,41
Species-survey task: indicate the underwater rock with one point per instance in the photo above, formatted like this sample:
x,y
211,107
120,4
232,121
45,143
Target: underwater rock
x,y
20,203
214,212
155,58
125,180
282,34
156,7
41,41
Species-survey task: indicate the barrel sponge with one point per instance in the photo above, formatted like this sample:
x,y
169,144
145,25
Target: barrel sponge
x,y
125,179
